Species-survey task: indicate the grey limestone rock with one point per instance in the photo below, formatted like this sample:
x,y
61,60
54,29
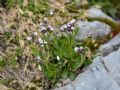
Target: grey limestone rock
x,y
96,29
97,13
110,46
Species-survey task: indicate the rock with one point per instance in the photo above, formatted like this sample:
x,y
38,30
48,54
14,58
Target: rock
x,y
110,46
96,29
97,14
103,74
113,65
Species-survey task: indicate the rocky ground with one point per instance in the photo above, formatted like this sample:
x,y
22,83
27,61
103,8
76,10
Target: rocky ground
x,y
96,29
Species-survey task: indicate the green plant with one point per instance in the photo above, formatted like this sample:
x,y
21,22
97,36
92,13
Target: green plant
x,y
40,6
2,62
12,3
36,6
59,59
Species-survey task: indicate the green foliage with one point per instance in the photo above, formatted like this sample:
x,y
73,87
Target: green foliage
x,y
39,7
36,6
69,60
2,62
12,3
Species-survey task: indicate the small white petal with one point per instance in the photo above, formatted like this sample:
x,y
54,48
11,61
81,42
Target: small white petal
x,y
41,24
42,45
38,58
72,28
35,33
72,21
68,24
51,12
51,28
29,38
42,27
40,40
81,48
39,67
62,28
58,58
44,42
65,26
45,19
76,49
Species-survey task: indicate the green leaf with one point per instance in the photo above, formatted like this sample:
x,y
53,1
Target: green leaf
x,y
76,64
72,75
35,51
51,71
2,62
64,74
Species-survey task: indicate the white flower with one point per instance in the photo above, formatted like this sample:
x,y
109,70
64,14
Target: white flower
x,y
50,27
89,35
81,48
76,49
72,21
43,28
42,45
40,40
35,33
44,42
39,67
62,28
29,38
38,58
58,58
72,28
65,26
45,19
41,24
51,12
68,24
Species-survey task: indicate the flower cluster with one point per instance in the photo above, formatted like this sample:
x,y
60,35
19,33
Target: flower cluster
x,y
69,26
78,49
41,42
34,37
44,26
